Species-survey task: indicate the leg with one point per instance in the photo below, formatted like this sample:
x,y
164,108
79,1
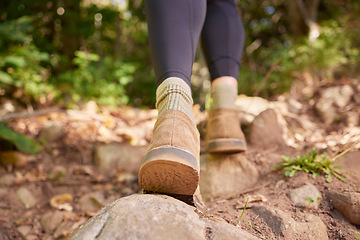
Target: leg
x,y
171,164
174,29
223,41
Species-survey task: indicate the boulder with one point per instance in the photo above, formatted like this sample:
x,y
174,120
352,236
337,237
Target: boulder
x,y
226,174
154,217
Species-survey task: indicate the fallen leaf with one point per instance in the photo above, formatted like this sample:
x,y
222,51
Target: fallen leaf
x,y
62,202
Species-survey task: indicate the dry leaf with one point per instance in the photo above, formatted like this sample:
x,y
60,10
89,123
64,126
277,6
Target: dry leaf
x,y
62,201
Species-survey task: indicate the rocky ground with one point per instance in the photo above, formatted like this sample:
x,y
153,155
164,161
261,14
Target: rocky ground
x,y
91,158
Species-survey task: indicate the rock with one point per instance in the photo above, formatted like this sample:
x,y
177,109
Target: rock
x,y
24,230
250,107
351,164
51,220
265,131
109,157
332,98
63,230
26,197
225,231
92,202
51,134
348,204
285,226
153,217
293,105
352,119
307,196
225,174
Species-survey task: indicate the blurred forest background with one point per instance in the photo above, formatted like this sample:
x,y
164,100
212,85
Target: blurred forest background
x,y
68,52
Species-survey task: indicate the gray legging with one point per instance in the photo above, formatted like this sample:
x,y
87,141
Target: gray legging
x,y
174,29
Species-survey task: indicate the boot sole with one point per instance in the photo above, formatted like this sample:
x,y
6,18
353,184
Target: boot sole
x,y
169,170
226,145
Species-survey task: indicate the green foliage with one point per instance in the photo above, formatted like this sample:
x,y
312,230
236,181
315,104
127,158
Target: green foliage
x,y
312,163
333,52
357,235
23,66
21,142
101,80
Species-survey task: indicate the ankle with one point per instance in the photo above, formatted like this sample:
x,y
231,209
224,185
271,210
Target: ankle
x,y
224,93
174,94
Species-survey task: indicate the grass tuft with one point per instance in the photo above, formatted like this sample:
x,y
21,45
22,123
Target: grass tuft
x,y
315,164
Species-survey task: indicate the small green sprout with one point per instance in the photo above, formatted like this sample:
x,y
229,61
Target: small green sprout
x,y
314,164
242,214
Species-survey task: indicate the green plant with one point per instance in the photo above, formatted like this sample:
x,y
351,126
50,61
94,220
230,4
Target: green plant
x,y
22,64
312,163
242,214
357,235
21,142
103,80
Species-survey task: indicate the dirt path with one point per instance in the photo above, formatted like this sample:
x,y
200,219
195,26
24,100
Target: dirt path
x,y
51,194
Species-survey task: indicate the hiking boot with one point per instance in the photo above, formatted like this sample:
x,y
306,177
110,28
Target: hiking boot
x,y
223,132
171,164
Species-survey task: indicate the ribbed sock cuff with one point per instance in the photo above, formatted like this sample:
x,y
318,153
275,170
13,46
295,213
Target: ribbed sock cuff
x,y
223,96
175,94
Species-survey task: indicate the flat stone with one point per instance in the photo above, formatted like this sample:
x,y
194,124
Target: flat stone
x,y
26,197
153,217
24,230
266,131
348,204
286,227
306,196
225,174
109,157
51,220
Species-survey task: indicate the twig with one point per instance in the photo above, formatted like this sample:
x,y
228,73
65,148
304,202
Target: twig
x,y
47,111
254,188
267,76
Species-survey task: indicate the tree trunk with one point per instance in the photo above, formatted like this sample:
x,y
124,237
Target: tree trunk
x,y
302,16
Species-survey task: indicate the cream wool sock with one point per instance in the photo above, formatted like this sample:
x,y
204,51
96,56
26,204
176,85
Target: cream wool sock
x,y
175,94
223,96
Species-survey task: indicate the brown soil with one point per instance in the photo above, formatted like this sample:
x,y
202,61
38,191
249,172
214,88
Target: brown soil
x,y
74,153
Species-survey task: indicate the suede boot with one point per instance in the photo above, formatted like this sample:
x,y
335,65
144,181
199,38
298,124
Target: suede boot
x,y
223,134
171,164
